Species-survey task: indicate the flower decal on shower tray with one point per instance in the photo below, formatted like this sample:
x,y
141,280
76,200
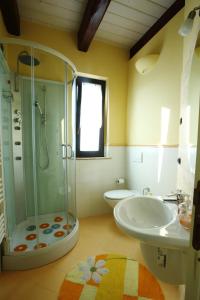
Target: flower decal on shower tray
x,y
93,270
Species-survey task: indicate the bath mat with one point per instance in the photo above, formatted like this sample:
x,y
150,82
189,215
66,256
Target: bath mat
x,y
110,277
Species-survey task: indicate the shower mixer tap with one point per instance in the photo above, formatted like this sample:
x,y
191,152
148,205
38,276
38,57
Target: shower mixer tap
x,y
18,117
17,112
18,120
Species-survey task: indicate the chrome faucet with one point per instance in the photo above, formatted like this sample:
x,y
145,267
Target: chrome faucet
x,y
146,191
177,197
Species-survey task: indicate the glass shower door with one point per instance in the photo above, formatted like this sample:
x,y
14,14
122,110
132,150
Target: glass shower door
x,y
54,146
71,143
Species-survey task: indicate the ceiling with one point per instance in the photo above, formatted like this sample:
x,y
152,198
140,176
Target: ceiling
x,y
123,24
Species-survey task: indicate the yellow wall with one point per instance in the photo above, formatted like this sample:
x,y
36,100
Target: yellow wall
x,y
102,59
149,93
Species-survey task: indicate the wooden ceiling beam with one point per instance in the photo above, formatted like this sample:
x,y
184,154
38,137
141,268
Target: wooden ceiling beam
x,y
92,18
160,23
10,14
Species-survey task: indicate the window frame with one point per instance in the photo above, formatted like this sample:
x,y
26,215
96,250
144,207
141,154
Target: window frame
x,y
102,83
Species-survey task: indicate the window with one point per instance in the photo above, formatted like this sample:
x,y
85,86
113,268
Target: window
x,y
90,117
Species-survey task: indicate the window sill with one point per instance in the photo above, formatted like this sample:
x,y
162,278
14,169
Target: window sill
x,y
93,158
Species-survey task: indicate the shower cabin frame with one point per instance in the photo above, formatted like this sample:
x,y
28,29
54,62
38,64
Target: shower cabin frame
x,y
43,256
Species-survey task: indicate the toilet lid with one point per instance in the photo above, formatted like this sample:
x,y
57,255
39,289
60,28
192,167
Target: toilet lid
x,y
119,194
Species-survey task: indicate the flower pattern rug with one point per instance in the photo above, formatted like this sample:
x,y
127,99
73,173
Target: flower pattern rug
x,y
110,277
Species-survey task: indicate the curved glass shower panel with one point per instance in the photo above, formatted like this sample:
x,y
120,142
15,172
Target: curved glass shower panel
x,y
71,146
51,104
6,98
38,133
25,224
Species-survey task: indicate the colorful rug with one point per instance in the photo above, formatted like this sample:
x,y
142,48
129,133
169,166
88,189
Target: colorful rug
x,y
110,277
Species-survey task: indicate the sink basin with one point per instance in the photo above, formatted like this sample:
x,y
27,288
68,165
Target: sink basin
x,y
144,212
151,220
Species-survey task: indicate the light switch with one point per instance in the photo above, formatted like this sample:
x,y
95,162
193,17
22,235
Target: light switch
x,y
138,157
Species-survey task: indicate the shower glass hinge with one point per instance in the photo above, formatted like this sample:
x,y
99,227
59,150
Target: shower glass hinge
x,y
69,151
64,151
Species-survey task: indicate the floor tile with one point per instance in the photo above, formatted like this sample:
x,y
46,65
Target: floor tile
x,y
98,235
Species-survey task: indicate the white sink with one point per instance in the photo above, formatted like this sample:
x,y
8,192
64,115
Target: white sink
x,y
163,240
150,220
144,212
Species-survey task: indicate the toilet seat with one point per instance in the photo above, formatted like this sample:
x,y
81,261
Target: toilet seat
x,y
119,194
114,196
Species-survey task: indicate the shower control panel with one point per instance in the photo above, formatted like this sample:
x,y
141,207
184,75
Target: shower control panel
x,y
17,134
17,119
17,131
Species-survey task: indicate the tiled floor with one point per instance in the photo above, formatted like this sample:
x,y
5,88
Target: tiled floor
x,y
97,235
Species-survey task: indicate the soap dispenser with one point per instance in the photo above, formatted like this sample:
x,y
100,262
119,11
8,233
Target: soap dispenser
x,y
185,213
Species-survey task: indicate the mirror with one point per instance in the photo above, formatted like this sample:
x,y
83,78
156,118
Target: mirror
x,y
192,108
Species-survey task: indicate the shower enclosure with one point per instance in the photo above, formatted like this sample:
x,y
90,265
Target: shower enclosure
x,y
37,99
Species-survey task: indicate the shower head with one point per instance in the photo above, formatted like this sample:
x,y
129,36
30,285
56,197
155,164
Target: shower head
x,y
25,58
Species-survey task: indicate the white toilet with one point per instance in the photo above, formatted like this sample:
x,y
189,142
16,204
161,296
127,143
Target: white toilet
x,y
114,196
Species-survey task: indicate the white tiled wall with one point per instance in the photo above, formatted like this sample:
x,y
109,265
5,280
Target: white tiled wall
x,y
186,171
141,167
96,176
153,167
